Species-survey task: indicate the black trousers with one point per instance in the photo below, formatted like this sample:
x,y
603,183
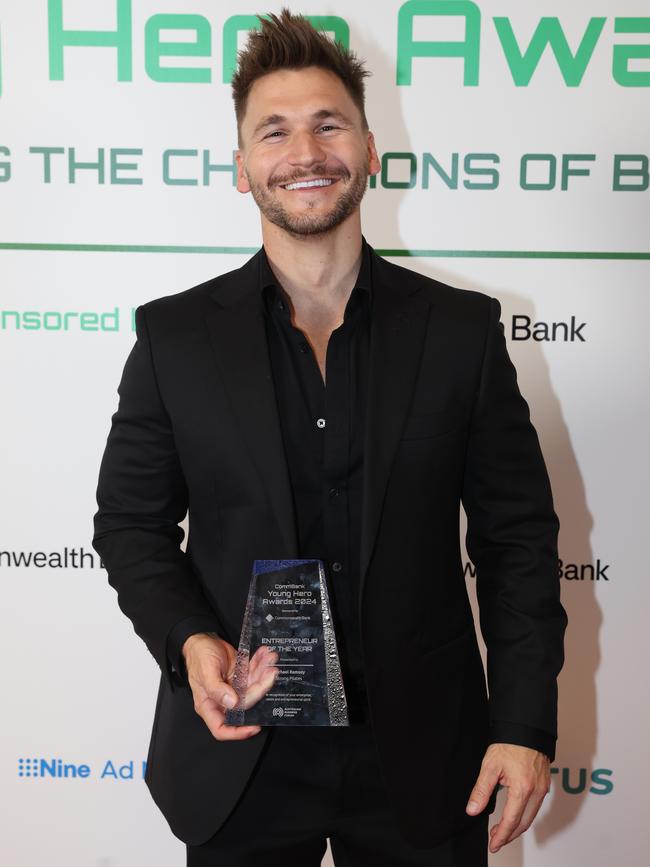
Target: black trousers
x,y
311,783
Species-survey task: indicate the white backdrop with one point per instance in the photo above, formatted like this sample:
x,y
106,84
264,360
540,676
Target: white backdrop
x,y
79,685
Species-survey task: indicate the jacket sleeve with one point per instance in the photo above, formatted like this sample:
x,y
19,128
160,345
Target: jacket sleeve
x,y
141,498
512,540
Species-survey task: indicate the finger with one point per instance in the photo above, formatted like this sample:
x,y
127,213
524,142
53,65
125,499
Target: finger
x,y
214,719
211,682
258,689
483,788
260,661
528,816
516,801
262,652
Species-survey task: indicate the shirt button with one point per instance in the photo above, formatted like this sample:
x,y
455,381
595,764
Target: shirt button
x,y
336,566
320,422
304,347
334,492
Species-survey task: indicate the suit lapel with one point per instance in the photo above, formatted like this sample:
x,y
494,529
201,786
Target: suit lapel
x,y
399,322
238,336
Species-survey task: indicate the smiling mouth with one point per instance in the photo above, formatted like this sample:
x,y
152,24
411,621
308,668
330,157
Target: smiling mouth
x,y
309,185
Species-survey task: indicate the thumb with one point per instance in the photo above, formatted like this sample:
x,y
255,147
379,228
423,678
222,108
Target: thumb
x,y
220,691
483,788
215,676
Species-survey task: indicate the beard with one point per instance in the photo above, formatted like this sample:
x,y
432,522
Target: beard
x,y
309,224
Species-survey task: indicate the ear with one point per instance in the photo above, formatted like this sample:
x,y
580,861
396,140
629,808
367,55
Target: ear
x,y
242,180
374,163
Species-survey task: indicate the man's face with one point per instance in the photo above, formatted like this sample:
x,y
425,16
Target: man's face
x,y
301,127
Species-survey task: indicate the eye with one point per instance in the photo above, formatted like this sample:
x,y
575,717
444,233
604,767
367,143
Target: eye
x,y
328,126
275,132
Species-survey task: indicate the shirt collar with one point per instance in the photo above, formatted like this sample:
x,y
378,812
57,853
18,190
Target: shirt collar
x,y
267,278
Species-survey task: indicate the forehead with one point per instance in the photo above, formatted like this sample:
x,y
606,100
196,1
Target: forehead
x,y
297,92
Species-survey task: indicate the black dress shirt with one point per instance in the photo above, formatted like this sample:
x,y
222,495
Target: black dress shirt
x,y
322,427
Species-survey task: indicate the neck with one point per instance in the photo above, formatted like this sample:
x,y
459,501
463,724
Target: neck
x,y
316,271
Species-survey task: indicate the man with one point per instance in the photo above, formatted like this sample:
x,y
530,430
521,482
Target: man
x,y
321,402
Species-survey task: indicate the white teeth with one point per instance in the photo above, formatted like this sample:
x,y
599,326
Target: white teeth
x,y
302,185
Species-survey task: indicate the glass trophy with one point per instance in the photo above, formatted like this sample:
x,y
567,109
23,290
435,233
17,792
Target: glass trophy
x,y
288,609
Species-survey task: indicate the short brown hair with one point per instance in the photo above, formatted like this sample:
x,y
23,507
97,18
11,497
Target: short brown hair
x,y
291,42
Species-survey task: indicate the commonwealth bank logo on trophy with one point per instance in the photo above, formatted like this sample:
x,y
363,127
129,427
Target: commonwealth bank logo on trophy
x,y
288,609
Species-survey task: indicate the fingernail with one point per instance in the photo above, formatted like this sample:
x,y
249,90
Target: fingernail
x,y
472,807
228,700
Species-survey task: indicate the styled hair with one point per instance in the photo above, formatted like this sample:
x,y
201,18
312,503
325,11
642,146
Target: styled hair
x,y
291,42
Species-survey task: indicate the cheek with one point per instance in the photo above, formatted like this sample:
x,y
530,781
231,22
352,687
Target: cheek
x,y
269,169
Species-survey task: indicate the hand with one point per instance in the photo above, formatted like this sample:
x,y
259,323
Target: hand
x,y
527,775
210,663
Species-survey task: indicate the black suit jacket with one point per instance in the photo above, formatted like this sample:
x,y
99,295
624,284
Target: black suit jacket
x,y
197,427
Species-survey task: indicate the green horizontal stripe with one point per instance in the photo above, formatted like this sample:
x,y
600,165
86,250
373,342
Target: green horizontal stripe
x,y
513,254
246,251
125,248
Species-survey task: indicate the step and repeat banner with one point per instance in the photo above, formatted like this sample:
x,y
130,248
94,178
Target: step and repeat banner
x,y
515,144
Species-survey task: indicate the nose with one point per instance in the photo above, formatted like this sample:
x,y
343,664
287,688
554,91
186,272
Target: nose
x,y
305,149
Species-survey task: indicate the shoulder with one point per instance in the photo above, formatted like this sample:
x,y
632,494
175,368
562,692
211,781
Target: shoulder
x,y
188,303
467,304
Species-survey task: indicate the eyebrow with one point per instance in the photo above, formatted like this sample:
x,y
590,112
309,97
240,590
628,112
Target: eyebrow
x,y
321,114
